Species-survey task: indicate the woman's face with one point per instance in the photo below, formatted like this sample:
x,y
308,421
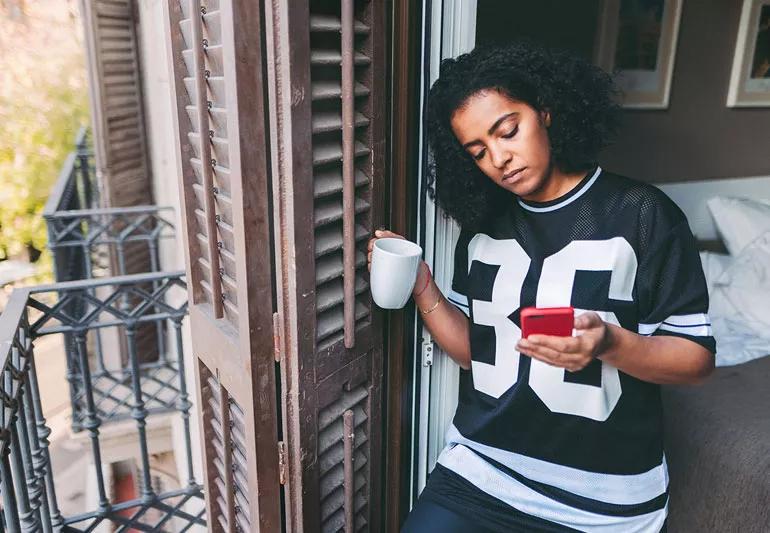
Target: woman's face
x,y
507,138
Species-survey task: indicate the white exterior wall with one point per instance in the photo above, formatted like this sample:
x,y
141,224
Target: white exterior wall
x,y
160,104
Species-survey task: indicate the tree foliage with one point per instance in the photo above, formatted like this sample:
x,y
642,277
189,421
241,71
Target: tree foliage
x,y
43,102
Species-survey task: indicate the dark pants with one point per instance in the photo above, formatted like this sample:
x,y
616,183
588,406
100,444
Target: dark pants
x,y
427,516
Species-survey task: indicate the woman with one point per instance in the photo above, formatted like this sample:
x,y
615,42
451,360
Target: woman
x,y
553,433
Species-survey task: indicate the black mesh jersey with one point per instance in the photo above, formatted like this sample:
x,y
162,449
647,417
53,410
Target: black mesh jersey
x,y
589,439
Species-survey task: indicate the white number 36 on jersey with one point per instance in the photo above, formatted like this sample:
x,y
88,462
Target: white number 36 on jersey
x,y
554,290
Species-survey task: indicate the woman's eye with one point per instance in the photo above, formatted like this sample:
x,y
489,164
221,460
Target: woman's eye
x,y
479,155
511,133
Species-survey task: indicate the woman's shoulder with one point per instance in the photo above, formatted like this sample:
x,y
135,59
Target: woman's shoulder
x,y
631,195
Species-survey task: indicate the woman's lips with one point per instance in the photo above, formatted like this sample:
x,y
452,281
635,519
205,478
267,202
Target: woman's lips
x,y
513,175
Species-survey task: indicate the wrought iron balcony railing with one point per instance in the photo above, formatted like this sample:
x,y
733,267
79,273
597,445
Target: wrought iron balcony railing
x,y
144,389
90,241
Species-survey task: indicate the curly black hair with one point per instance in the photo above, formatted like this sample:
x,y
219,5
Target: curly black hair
x,y
580,96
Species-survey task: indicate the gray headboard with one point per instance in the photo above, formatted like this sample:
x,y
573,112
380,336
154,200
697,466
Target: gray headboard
x,y
692,196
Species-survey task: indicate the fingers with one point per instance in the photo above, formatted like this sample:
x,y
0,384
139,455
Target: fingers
x,y
559,344
382,233
544,353
378,234
587,320
569,361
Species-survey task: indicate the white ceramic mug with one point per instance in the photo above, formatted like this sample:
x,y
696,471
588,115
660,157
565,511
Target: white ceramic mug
x,y
394,271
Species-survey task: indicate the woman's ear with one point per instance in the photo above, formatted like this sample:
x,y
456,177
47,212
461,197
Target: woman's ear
x,y
545,116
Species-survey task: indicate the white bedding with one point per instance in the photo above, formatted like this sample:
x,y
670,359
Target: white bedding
x,y
739,289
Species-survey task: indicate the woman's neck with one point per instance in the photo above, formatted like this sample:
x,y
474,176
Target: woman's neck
x,y
557,184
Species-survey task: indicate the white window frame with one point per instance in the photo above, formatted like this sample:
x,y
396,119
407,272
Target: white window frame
x,y
452,32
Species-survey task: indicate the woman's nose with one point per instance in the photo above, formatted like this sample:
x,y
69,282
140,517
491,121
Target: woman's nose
x,y
500,157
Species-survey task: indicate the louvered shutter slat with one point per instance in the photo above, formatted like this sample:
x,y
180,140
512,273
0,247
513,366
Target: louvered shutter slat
x,y
334,58
329,267
330,294
329,239
331,152
333,479
224,203
329,436
215,93
329,23
214,59
217,118
334,457
330,210
329,90
219,148
328,182
333,412
331,322
332,121
212,23
332,507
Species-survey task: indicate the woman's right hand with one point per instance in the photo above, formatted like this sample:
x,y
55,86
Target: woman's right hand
x,y
423,273
379,234
452,330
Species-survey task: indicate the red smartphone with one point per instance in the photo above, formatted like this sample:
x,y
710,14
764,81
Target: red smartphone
x,y
558,321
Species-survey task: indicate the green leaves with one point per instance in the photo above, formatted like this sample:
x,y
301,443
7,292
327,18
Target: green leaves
x,y
43,102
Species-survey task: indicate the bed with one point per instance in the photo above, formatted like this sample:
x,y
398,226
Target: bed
x,y
717,438
717,435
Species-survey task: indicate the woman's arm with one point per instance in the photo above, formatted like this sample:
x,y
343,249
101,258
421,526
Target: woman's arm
x,y
447,324
657,359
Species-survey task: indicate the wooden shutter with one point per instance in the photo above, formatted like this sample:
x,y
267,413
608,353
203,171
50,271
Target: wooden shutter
x,y
115,84
217,61
328,124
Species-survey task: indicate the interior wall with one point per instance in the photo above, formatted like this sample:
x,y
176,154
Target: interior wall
x,y
158,100
698,137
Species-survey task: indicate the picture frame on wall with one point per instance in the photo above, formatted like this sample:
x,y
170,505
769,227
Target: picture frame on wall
x,y
637,44
750,76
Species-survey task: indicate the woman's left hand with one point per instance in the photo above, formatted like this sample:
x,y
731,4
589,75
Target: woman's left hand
x,y
593,339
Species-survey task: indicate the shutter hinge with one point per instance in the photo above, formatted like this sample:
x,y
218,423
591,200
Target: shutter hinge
x,y
277,337
427,351
281,462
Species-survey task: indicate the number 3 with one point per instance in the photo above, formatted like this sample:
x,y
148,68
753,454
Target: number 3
x,y
554,290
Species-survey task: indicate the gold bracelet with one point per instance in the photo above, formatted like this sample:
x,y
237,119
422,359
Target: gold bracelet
x,y
434,306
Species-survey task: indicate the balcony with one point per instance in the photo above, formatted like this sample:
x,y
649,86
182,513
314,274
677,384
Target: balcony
x,y
124,460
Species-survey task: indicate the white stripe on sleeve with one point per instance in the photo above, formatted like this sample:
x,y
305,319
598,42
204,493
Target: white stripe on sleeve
x,y
697,325
459,300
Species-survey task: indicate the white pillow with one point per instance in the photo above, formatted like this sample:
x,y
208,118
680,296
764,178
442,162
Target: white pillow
x,y
740,305
739,220
713,266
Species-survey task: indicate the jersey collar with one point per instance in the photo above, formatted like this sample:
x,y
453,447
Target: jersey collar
x,y
552,205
